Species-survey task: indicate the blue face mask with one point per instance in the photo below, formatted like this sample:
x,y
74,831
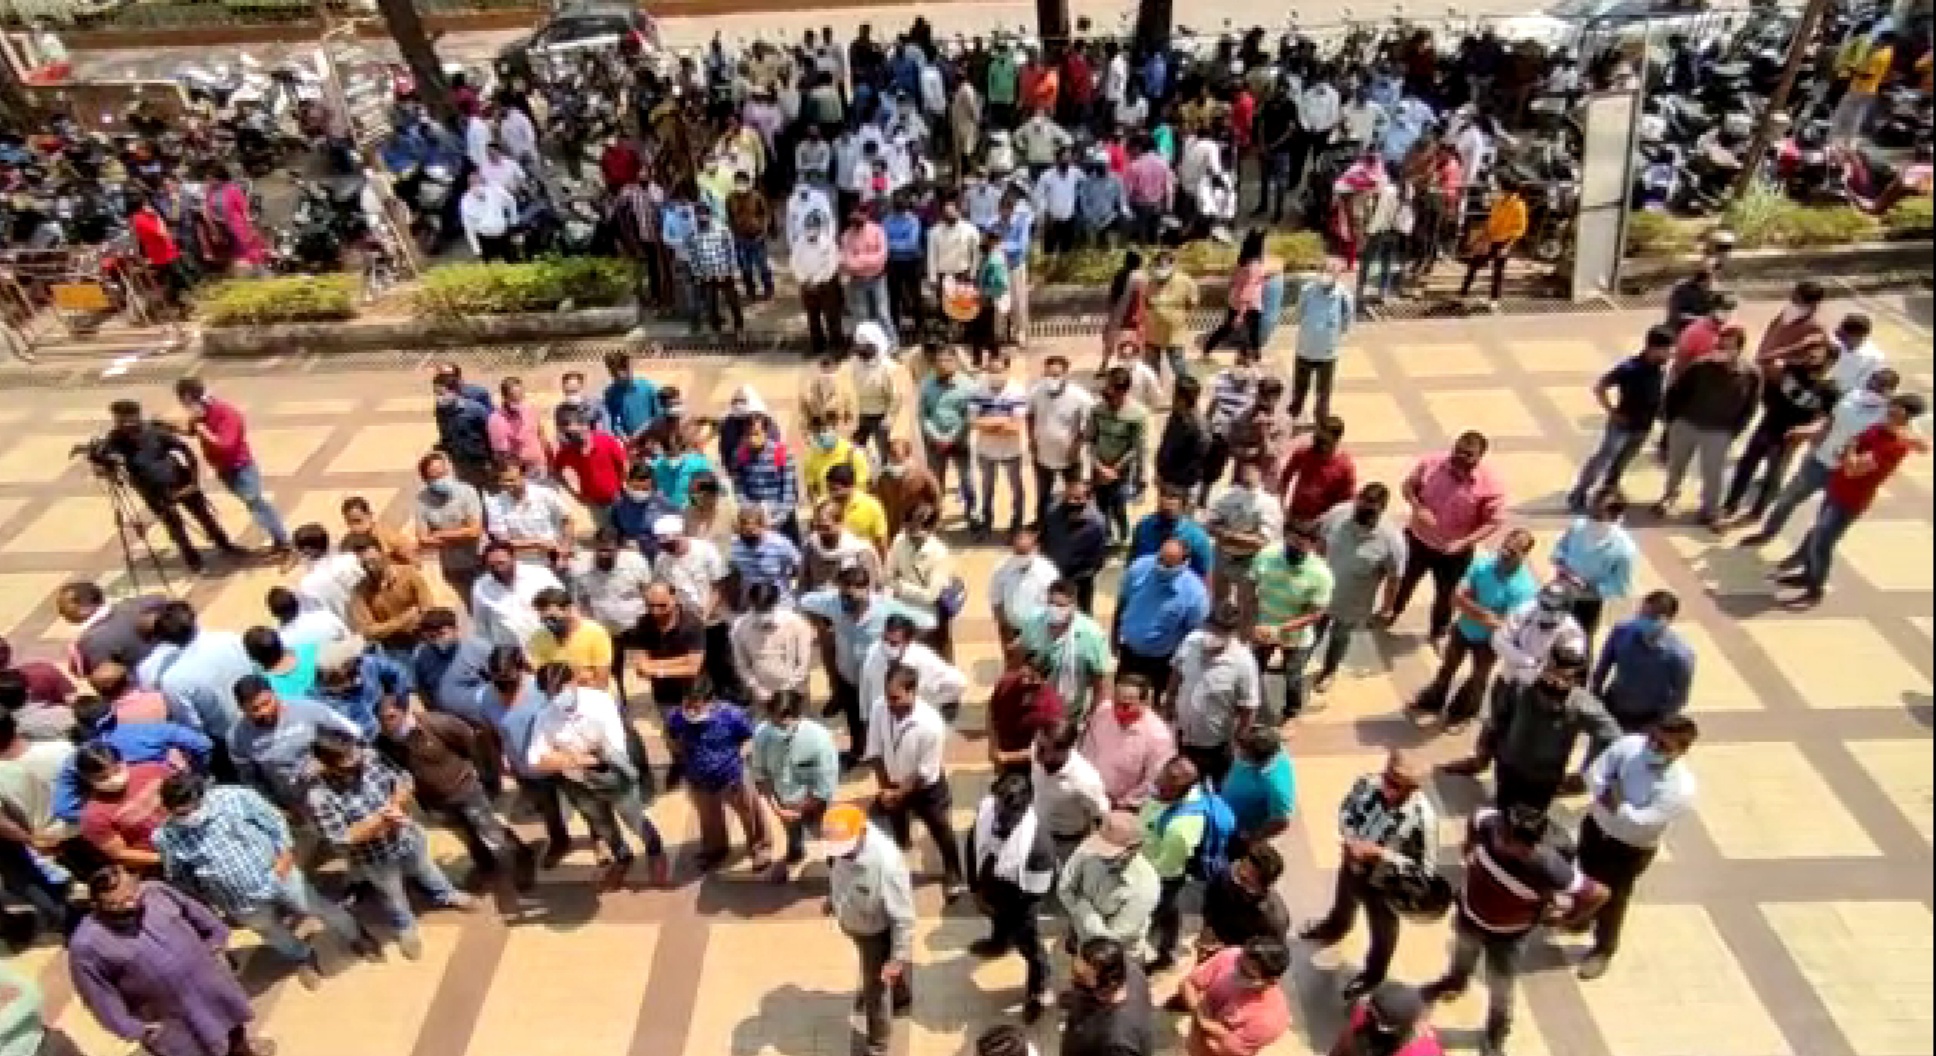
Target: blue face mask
x,y
1655,758
1165,575
1650,627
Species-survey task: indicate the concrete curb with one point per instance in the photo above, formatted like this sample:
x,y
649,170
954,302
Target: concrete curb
x,y
1863,258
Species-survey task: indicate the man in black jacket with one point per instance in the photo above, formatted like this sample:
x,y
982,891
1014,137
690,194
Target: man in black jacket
x,y
158,466
1075,537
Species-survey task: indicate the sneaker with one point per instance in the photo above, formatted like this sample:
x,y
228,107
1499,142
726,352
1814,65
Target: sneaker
x,y
410,944
1757,539
462,902
1594,966
953,889
988,947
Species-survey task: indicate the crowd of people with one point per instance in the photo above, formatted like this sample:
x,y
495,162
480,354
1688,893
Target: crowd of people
x,y
630,557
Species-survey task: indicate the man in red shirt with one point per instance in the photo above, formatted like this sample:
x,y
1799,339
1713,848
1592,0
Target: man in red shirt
x,y
159,250
1023,704
1318,475
1868,463
224,438
590,463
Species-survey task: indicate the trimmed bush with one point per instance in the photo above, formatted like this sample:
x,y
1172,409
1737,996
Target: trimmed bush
x,y
1765,218
280,299
1654,233
1300,251
453,290
1911,218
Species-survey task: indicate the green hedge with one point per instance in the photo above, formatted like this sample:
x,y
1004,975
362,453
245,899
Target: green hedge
x,y
1766,219
1202,259
1911,218
280,299
452,290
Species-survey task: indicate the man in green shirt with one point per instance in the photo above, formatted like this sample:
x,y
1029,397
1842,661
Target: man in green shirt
x,y
1293,593
1074,648
944,413
1171,834
1118,436
22,1026
797,771
1003,78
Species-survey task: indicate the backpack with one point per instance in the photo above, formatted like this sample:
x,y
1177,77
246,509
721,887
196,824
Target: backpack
x,y
1211,859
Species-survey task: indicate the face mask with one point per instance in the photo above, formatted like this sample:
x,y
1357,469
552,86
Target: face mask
x,y
576,439
638,494
605,562
1166,574
1598,530
893,469
1365,516
1162,274
852,606
826,438
1127,716
1547,621
1293,554
559,626
446,400
1061,615
1650,627
1655,758
442,487
1056,385
1553,693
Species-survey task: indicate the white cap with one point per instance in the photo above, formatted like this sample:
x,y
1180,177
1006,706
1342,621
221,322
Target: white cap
x,y
670,526
870,334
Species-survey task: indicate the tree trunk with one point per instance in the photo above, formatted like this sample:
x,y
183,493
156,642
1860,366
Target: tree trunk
x,y
1052,21
1154,20
407,29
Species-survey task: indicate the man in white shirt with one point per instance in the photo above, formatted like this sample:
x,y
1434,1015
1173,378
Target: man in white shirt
x,y
519,137
1058,416
1856,354
1640,786
1528,637
1069,794
806,202
693,568
1115,77
982,198
477,138
1019,588
934,93
1055,199
502,612
488,214
500,171
954,246
1361,120
327,580
814,257
533,518
937,682
905,738
998,411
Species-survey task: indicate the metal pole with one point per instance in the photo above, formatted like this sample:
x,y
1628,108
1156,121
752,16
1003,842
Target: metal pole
x,y
1778,103
1633,145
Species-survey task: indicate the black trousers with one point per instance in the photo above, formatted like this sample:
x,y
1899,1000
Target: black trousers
x,y
1166,921
1460,706
1494,255
496,247
1085,593
1354,892
1767,455
845,700
929,803
1059,236
823,306
1013,924
1245,328
1617,865
168,511
904,278
708,293
490,843
719,667
1307,374
1046,480
1447,570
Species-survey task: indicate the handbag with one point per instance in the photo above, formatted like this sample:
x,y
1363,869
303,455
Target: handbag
x,y
1422,897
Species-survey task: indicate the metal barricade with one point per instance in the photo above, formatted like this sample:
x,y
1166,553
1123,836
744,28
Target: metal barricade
x,y
71,292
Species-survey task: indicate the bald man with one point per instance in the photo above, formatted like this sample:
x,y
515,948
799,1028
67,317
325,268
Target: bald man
x,y
1160,603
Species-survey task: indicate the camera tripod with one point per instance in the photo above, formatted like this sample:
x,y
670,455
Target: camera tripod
x,y
131,528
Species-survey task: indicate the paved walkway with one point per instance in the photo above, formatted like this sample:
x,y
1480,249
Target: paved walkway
x,y
1791,917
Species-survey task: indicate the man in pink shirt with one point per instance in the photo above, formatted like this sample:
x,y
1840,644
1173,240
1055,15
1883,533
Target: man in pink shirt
x,y
1128,744
863,268
1236,1003
1457,503
517,432
1150,187
224,439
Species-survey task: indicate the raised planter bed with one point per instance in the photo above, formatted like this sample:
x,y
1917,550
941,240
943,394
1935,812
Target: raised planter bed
x,y
1641,274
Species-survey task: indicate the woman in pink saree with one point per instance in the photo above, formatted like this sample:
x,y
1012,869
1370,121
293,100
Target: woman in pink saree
x,y
228,209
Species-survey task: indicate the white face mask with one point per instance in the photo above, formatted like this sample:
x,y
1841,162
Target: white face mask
x,y
1061,615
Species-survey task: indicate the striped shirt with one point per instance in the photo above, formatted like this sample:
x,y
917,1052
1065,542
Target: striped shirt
x,y
765,477
1506,895
1409,831
1231,394
771,559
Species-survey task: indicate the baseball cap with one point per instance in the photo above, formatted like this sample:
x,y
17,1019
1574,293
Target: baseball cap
x,y
1121,833
841,829
669,527
871,335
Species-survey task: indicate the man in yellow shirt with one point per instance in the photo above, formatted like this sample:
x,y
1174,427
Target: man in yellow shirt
x,y
861,513
570,639
1169,295
1852,113
1505,226
826,448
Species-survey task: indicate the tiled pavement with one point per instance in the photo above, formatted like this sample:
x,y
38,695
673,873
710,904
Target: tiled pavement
x,y
1792,917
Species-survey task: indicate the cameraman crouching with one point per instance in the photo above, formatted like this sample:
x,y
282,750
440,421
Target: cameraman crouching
x,y
157,465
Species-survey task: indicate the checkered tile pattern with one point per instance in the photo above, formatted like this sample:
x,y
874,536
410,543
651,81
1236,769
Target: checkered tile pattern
x,y
1790,917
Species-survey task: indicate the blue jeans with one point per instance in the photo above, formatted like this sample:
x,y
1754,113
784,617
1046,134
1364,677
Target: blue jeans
x,y
246,485
1608,462
1809,479
753,265
390,880
296,897
1012,469
1384,253
1817,552
867,299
